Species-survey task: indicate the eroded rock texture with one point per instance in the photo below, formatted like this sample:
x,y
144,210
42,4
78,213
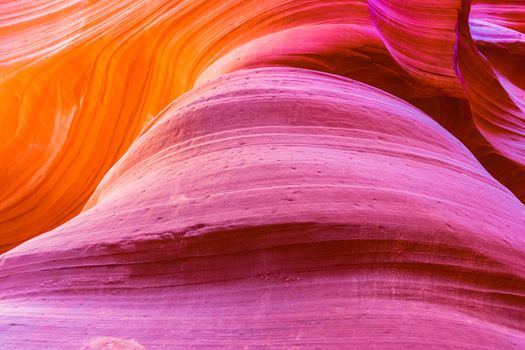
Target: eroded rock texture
x,y
262,174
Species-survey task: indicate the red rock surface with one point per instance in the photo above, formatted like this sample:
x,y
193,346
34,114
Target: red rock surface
x,y
262,174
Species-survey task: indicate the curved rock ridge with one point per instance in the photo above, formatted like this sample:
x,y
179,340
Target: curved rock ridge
x,y
262,174
94,73
280,207
80,79
491,74
401,24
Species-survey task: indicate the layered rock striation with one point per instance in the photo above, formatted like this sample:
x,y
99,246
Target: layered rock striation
x,y
270,174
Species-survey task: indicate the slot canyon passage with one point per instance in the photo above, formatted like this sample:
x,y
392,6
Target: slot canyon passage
x,y
253,174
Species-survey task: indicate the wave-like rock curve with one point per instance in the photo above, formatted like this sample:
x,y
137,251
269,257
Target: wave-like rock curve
x,y
262,174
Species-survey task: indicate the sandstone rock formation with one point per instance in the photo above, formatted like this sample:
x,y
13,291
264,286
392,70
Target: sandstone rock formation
x,y
262,174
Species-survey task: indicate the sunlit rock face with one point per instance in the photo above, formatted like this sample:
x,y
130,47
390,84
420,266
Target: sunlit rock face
x,y
262,174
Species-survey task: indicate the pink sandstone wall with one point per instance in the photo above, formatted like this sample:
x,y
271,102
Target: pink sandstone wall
x,y
262,174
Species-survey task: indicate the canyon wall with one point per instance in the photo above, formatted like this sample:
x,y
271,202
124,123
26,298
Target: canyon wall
x,y
262,174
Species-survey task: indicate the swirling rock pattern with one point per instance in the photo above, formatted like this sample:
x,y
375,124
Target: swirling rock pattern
x,y
262,174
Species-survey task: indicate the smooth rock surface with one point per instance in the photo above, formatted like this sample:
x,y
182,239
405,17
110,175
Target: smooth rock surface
x,y
280,207
262,174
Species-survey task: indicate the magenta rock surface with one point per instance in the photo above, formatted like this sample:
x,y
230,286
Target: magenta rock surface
x,y
336,216
249,174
